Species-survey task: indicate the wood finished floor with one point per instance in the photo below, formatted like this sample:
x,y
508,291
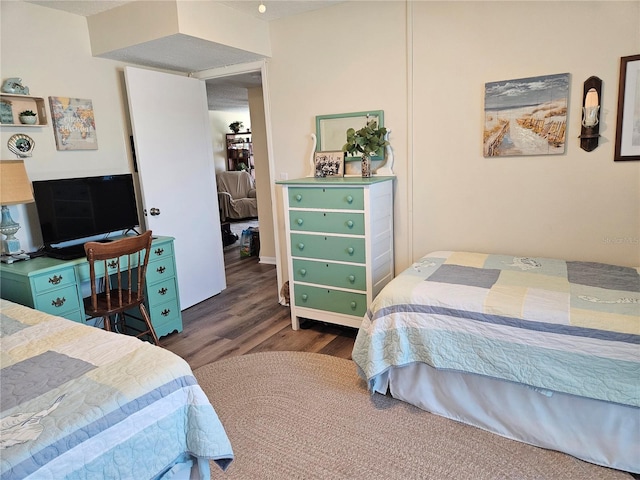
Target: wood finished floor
x,y
247,318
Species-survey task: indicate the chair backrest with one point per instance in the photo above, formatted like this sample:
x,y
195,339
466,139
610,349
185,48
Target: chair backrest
x,y
122,265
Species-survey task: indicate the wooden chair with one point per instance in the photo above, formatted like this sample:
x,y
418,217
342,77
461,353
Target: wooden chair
x,y
118,270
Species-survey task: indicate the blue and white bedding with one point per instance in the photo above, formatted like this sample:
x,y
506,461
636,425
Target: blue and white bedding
x,y
81,403
553,325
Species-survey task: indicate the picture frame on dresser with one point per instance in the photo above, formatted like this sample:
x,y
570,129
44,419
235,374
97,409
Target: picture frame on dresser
x,y
329,164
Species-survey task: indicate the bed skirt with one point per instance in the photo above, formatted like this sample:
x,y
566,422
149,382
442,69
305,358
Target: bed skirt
x,y
596,431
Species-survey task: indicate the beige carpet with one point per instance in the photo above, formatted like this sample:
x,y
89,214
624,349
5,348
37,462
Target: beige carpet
x,y
292,415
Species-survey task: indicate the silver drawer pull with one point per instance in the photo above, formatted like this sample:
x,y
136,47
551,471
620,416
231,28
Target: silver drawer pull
x,y
349,199
301,246
55,280
299,221
58,302
352,278
350,223
350,250
353,305
303,272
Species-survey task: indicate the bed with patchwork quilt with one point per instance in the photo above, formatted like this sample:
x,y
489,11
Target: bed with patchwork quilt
x,y
78,402
539,350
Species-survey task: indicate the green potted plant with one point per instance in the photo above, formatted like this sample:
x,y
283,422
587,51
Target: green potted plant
x,y
366,142
28,117
236,126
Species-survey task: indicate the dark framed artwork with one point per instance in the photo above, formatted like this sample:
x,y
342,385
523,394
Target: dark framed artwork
x,y
329,164
628,119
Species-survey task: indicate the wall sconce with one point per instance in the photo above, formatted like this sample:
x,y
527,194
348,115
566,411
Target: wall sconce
x,y
591,101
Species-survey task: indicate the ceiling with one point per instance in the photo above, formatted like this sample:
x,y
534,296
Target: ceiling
x,y
275,8
184,53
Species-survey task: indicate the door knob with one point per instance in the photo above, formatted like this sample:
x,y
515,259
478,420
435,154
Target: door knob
x,y
154,212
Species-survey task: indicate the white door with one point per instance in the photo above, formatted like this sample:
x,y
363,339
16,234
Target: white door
x,y
172,137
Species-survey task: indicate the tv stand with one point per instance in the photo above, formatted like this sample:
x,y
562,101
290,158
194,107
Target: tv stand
x,y
55,286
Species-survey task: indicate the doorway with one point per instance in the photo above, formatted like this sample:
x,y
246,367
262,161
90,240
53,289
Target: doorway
x,y
234,96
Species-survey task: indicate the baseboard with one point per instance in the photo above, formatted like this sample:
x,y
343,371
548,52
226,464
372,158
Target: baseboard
x,y
268,260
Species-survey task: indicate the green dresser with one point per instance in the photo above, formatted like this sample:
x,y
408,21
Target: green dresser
x,y
58,286
340,246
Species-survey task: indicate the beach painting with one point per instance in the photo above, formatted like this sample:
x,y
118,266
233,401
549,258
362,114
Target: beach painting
x,y
526,116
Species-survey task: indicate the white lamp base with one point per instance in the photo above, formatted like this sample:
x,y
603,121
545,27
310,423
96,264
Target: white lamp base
x,y
9,228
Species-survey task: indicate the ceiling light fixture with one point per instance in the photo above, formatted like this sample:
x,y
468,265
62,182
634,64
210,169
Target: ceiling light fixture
x,y
262,8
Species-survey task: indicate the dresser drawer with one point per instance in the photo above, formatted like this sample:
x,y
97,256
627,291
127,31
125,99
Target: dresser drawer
x,y
330,300
163,250
58,302
165,318
327,247
329,222
60,278
343,198
162,291
161,269
332,274
168,320
164,311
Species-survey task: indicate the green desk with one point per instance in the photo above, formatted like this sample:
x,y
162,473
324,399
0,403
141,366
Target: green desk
x,y
57,286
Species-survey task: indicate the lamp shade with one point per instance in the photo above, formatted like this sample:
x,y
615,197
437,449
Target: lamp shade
x,y
15,187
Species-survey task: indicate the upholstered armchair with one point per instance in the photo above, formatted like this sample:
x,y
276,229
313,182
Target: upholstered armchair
x,y
236,195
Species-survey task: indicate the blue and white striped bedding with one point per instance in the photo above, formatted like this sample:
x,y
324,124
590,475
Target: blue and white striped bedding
x,y
556,326
81,403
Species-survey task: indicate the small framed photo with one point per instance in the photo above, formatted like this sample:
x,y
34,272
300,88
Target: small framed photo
x,y
329,164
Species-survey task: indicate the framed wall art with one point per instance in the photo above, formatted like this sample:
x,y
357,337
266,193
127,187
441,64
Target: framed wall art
x,y
628,120
74,124
329,164
526,116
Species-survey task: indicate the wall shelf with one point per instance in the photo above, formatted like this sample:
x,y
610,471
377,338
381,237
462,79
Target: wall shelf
x,y
20,103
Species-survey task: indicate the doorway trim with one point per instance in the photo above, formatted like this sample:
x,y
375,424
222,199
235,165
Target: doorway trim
x,y
258,66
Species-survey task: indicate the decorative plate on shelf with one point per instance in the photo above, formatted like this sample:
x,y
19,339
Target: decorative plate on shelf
x,y
22,145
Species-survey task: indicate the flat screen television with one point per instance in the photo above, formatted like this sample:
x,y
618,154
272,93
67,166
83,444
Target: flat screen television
x,y
80,208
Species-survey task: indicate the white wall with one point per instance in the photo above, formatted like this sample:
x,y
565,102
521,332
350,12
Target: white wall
x,y
557,205
262,172
425,64
55,60
347,58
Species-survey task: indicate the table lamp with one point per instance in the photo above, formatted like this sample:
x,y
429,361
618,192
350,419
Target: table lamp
x,y
15,189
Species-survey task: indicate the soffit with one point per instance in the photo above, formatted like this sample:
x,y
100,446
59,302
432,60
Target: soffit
x,y
186,54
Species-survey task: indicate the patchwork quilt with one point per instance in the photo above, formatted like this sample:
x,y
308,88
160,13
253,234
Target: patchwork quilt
x,y
81,403
554,325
